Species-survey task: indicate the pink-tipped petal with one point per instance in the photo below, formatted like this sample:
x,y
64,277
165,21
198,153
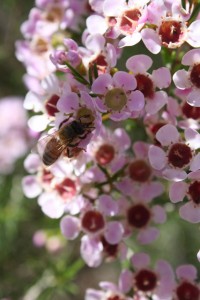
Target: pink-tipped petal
x,y
181,79
190,212
148,235
194,34
159,214
101,84
177,191
124,80
186,272
139,63
70,227
157,157
151,40
161,77
125,281
114,232
167,135
140,260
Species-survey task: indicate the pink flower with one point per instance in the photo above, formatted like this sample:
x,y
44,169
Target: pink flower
x,y
171,27
179,154
117,95
189,80
190,211
187,287
147,84
145,282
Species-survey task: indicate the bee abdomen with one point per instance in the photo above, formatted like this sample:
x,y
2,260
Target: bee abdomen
x,y
52,152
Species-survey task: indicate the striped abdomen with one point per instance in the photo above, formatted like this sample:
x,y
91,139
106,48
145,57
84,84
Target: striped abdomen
x,y
52,151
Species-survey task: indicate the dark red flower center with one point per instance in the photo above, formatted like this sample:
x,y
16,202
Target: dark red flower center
x,y
109,250
170,32
93,221
50,105
194,192
138,216
139,170
191,111
145,280
145,85
195,75
179,155
187,291
105,154
129,21
66,189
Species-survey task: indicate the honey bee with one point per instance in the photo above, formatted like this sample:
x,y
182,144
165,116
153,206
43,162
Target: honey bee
x,y
66,140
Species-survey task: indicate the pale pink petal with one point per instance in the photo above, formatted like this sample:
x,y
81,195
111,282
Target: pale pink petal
x,y
140,260
195,163
193,138
120,116
124,80
31,187
190,212
167,280
167,135
68,102
191,57
107,205
95,43
38,123
130,40
51,205
151,40
177,191
181,79
159,214
193,37
186,272
70,227
194,98
141,149
112,9
91,251
32,162
148,235
161,77
139,63
150,191
174,175
123,138
114,232
157,157
101,84
154,105
125,281
96,24
194,175
136,101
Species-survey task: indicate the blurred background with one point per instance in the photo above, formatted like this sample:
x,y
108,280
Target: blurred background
x,y
36,262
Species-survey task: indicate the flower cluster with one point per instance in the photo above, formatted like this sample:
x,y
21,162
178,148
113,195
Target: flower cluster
x,y
118,134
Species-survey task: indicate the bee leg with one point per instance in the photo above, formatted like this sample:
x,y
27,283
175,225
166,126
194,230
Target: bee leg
x,y
70,155
65,120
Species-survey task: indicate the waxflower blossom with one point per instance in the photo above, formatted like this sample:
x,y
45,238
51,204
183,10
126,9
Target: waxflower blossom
x,y
189,80
171,27
190,210
143,282
187,288
147,84
117,95
180,154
